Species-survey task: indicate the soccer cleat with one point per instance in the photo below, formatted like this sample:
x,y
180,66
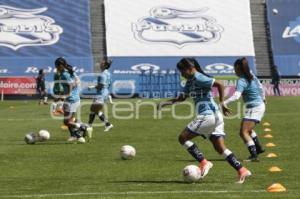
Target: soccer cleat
x,y
72,139
107,128
243,174
81,140
205,166
251,159
260,150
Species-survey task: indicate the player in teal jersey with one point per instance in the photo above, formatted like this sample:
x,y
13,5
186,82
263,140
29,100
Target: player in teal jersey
x,y
252,91
102,95
209,120
70,83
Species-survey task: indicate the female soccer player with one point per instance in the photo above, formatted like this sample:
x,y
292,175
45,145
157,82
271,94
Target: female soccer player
x,y
70,83
41,87
253,95
57,105
209,121
102,88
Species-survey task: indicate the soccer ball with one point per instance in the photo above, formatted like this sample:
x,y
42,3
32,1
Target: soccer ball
x,y
30,138
275,11
191,173
127,152
44,135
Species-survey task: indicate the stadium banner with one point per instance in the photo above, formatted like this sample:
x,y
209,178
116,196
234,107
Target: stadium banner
x,y
17,85
34,33
284,21
155,35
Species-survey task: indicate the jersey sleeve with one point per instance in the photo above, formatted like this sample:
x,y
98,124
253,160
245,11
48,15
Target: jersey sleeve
x,y
241,85
206,82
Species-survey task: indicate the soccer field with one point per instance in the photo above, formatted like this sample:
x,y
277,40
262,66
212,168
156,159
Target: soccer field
x,y
57,169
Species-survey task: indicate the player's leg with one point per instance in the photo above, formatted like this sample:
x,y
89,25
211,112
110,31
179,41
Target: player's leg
x,y
201,125
45,97
258,146
92,115
219,145
245,133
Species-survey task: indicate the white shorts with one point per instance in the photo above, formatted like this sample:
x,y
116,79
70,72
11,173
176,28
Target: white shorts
x,y
207,125
70,107
101,99
255,114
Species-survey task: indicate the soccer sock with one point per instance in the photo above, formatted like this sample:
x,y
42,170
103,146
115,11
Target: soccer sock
x,y
45,98
252,148
256,142
232,160
103,118
194,151
53,107
91,118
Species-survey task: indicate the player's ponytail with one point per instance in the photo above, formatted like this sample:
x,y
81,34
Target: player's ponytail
x,y
243,66
190,62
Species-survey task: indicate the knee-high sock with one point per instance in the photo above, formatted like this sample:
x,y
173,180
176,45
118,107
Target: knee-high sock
x,y
194,151
103,118
92,118
232,160
258,146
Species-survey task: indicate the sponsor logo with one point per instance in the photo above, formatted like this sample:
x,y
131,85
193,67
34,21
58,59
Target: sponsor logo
x,y
292,30
35,70
3,70
219,68
123,84
177,27
138,69
25,27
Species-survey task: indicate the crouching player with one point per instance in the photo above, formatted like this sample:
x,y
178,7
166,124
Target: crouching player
x,y
102,89
70,82
209,121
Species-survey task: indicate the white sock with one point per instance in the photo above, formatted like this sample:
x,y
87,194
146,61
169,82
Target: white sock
x,y
45,99
253,134
53,107
188,144
226,153
250,143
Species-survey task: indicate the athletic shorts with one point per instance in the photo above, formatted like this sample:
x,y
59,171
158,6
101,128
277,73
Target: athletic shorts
x,y
71,107
207,125
255,114
100,99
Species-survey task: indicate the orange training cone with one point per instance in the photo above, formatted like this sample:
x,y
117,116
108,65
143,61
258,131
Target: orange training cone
x,y
271,155
268,136
64,127
270,144
267,130
276,187
266,124
275,169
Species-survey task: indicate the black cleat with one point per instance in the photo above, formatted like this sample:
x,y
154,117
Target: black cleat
x,y
251,159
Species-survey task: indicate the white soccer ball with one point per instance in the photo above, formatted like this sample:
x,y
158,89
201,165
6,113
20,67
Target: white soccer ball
x,y
275,11
191,173
44,135
30,138
127,152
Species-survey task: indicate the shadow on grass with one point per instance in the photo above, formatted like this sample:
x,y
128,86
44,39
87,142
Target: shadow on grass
x,y
213,160
150,181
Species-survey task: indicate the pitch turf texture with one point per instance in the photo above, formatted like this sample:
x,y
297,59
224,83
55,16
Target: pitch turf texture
x,y
56,169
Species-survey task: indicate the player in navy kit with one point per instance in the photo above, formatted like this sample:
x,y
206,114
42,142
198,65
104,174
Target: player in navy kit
x,y
209,121
41,87
251,89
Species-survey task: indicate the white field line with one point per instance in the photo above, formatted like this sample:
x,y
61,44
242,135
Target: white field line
x,y
128,193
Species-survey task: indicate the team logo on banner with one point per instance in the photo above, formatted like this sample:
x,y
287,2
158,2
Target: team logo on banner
x,y
293,30
177,27
219,68
25,27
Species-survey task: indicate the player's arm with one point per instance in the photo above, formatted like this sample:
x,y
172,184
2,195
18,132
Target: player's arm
x,y
182,97
261,90
220,88
241,85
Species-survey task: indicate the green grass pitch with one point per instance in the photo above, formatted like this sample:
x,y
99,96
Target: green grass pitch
x,y
56,169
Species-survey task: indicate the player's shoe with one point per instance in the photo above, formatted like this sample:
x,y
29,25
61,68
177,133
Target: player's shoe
x,y
251,159
107,128
72,139
260,150
243,174
81,140
205,166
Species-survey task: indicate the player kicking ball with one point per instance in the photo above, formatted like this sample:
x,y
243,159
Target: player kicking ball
x,y
209,121
102,95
